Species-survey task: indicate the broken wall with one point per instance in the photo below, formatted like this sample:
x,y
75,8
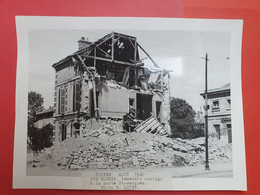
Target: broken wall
x,y
113,101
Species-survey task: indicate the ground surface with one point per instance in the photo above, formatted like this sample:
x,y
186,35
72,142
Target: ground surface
x,y
133,151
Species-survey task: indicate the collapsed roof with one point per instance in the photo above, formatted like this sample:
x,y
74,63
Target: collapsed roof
x,y
115,52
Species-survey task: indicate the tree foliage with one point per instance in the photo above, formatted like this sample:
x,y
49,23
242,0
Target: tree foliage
x,y
182,120
40,138
35,104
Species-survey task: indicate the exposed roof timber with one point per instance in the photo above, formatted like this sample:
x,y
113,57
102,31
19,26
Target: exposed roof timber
x,y
131,43
113,47
135,52
86,51
110,60
104,52
143,59
115,40
83,63
154,63
62,61
113,34
90,50
124,36
104,39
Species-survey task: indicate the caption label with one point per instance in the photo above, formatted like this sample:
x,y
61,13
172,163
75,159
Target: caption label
x,y
126,180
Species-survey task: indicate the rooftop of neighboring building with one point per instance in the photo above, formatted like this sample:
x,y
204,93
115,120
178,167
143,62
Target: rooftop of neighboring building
x,y
218,92
47,113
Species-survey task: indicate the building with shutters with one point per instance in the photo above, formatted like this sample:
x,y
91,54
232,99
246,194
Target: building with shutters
x,y
108,80
219,113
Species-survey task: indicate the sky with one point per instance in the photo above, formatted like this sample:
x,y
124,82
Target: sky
x,y
179,51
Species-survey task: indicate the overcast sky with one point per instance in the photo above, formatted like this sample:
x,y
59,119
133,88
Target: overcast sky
x,y
180,51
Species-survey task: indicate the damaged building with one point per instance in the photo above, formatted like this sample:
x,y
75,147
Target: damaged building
x,y
107,83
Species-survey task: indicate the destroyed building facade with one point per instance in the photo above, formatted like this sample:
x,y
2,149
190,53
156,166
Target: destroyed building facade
x,y
219,116
107,80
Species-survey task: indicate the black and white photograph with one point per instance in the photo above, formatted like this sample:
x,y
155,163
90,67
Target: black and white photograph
x,y
129,100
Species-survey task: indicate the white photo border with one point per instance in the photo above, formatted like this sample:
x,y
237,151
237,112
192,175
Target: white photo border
x,y
26,23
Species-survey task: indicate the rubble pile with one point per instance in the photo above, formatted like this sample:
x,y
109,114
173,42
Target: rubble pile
x,y
131,150
219,151
94,128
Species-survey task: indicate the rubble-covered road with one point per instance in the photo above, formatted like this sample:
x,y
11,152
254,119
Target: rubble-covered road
x,y
130,151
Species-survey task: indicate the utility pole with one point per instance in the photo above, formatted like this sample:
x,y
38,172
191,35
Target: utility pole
x,y
206,107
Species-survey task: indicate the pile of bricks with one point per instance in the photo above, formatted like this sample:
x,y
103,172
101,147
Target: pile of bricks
x,y
95,160
131,150
119,156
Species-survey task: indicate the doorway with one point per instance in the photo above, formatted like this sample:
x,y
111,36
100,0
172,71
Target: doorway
x,y
217,128
229,131
63,132
144,106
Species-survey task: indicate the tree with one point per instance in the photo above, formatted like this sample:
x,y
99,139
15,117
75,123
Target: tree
x,y
40,138
35,104
182,120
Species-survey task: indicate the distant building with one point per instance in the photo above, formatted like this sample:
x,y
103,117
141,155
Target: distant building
x,y
219,113
108,79
44,118
199,117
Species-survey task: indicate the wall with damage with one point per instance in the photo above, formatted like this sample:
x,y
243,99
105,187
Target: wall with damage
x,y
113,101
107,79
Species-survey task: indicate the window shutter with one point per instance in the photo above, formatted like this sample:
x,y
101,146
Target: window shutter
x,y
62,101
76,97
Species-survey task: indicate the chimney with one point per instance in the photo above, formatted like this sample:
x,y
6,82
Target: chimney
x,y
83,43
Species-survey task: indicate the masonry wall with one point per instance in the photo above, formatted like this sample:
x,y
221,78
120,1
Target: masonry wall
x,y
219,117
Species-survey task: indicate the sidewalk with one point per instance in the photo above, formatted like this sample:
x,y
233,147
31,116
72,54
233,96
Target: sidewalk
x,y
216,171
223,170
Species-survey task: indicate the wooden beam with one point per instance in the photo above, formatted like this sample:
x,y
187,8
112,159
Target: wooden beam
x,y
110,60
95,54
112,47
124,36
116,39
148,56
105,39
135,50
162,80
104,52
95,98
83,63
87,53
132,43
